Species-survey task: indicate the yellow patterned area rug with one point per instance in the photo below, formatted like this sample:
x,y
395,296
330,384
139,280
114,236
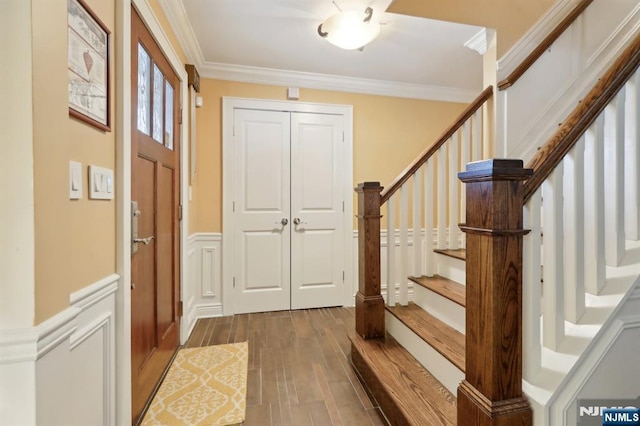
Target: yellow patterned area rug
x,y
204,386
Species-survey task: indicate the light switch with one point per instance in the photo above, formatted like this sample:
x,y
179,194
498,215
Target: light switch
x,y
75,180
101,183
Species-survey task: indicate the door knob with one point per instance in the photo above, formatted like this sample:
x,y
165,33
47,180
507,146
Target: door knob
x,y
297,221
283,222
144,241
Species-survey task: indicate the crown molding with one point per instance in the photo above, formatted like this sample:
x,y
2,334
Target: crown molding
x,y
179,22
543,27
478,42
337,83
177,16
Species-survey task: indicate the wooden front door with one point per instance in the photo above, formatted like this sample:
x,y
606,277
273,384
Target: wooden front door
x,y
155,294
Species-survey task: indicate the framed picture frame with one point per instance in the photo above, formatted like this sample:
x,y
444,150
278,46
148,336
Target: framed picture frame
x,y
88,59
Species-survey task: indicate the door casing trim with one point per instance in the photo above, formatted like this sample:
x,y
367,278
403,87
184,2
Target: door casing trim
x,y
123,185
228,105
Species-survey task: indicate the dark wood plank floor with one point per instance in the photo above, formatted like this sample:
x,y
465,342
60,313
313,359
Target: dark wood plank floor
x,y
299,367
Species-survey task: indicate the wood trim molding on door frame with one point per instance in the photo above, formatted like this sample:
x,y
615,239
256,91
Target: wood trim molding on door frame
x,y
228,105
123,125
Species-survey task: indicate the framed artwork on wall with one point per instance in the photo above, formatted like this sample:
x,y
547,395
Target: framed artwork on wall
x,y
88,66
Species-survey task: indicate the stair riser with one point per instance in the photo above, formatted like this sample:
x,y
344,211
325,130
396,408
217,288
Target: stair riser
x,y
440,367
444,309
451,268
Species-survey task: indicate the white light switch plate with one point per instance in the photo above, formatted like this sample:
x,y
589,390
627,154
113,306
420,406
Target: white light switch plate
x,y
75,180
101,184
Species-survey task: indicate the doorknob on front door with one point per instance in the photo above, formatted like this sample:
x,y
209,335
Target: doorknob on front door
x,y
144,241
297,221
284,221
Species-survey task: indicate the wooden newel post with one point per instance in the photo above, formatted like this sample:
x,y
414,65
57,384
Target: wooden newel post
x,y
491,393
369,301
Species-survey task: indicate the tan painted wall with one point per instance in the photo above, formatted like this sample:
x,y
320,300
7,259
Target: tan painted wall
x,y
75,240
511,18
388,133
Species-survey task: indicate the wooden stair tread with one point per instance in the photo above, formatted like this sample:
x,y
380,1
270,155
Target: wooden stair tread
x,y
448,341
452,290
456,254
405,390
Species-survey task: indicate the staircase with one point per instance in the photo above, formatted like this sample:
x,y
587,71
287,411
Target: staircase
x,y
501,317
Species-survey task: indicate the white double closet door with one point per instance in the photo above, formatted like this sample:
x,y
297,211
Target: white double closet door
x,y
288,210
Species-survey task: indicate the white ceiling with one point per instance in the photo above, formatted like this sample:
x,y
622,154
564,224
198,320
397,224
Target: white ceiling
x,y
276,41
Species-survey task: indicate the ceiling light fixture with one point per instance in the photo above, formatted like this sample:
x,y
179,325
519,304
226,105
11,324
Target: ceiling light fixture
x,y
350,29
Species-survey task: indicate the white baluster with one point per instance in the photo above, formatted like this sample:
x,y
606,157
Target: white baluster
x,y
404,244
632,159
453,198
531,275
553,310
429,182
466,158
574,297
417,223
476,139
442,197
595,269
614,180
391,251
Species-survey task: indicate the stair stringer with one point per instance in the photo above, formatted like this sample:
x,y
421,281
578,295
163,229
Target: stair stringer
x,y
554,401
563,408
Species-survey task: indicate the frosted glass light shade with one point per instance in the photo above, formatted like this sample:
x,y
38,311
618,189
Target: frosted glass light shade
x,y
349,30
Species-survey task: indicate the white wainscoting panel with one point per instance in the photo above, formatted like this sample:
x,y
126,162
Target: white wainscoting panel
x,y
203,289
530,111
66,363
210,263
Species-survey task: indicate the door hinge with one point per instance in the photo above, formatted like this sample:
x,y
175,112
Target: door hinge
x,y
180,212
180,122
343,207
343,136
234,129
234,206
343,276
234,282
180,312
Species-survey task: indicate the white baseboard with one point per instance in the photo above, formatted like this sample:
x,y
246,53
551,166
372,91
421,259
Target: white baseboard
x,y
208,311
45,369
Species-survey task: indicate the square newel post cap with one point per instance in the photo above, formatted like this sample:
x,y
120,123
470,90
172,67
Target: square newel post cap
x,y
368,186
495,169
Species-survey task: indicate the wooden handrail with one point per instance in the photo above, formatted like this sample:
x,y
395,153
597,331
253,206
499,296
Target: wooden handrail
x,y
543,46
564,139
426,154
